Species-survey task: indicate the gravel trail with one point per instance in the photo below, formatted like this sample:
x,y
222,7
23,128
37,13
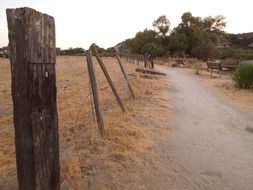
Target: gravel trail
x,y
211,144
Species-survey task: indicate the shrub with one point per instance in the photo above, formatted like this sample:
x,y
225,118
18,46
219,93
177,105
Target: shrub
x,y
198,67
236,54
204,51
244,76
230,61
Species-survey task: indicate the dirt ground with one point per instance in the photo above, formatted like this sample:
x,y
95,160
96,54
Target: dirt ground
x,y
227,89
224,86
210,146
117,161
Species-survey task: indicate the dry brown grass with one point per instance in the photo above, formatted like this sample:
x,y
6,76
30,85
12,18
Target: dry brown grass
x,y
87,160
7,149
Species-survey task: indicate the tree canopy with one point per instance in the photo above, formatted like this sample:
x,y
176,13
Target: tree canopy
x,y
202,35
162,24
146,42
194,36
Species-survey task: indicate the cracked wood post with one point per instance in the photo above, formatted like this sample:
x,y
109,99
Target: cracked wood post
x,y
124,73
94,89
32,57
107,76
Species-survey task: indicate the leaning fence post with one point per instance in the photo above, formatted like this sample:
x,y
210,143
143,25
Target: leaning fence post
x,y
107,76
125,76
33,56
94,89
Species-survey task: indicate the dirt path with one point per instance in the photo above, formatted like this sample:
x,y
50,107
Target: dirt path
x,y
211,144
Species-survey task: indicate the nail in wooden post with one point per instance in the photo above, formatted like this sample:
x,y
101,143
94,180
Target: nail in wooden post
x,y
93,82
124,73
33,55
107,76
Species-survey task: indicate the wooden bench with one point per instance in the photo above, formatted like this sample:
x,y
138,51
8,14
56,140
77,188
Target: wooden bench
x,y
214,65
180,61
219,66
231,66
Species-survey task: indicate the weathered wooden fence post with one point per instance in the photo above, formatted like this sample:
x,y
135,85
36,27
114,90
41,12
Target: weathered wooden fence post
x,y
94,89
32,57
125,76
108,78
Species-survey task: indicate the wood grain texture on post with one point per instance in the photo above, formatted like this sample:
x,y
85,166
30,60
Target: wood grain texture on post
x,y
33,55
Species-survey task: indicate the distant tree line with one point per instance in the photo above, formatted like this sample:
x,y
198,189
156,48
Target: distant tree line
x,y
81,52
197,37
109,52
70,51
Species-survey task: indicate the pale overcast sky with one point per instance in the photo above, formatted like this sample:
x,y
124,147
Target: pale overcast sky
x,y
107,22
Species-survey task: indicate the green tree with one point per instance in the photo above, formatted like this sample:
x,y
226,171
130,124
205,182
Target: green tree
x,y
146,42
178,44
214,24
199,35
202,46
162,24
189,24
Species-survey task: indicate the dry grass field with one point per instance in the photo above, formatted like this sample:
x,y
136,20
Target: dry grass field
x,y
88,161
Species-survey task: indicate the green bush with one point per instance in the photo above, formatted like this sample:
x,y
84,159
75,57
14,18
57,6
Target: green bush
x,y
244,76
232,53
230,61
